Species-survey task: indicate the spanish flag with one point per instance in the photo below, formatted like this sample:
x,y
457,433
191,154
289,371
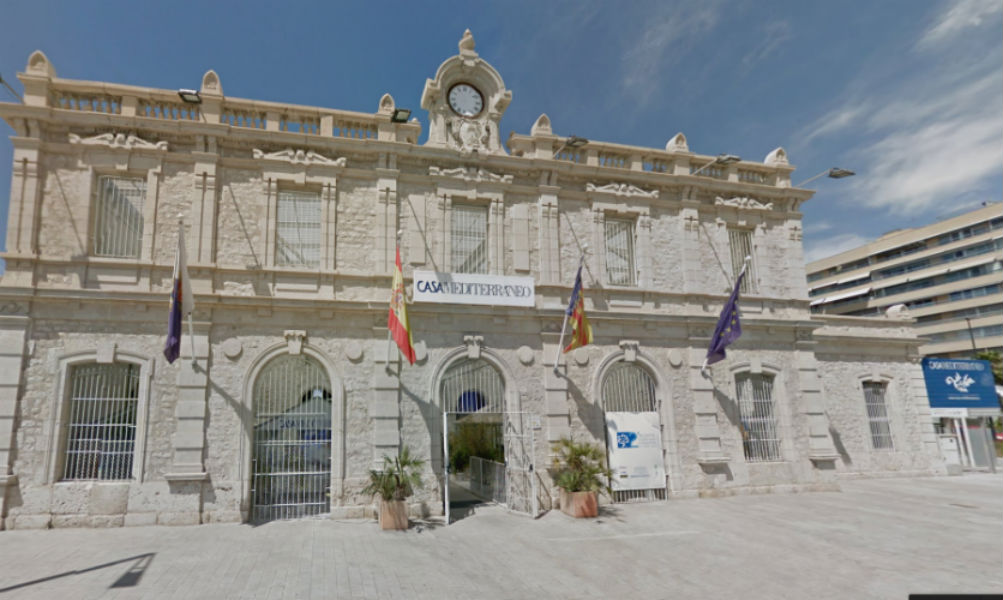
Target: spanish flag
x,y
397,322
581,331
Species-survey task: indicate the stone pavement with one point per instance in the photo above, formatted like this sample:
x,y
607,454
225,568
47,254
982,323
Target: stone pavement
x,y
878,538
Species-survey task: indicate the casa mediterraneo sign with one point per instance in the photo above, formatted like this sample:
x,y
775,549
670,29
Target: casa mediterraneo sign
x,y
473,288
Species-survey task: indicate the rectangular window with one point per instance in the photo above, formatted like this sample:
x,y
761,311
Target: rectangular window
x,y
877,415
297,230
740,242
469,236
118,217
620,269
760,439
101,427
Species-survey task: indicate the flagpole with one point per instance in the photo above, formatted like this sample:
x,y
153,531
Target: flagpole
x,y
564,326
397,244
748,259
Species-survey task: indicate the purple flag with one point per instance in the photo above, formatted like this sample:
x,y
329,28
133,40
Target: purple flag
x,y
728,329
182,302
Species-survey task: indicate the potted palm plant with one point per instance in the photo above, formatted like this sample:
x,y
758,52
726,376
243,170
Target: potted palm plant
x,y
580,471
394,484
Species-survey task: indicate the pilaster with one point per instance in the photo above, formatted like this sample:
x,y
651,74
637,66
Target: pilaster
x,y
821,448
384,409
191,409
707,428
13,332
555,396
549,235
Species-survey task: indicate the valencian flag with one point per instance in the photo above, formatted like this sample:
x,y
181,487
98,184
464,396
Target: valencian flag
x,y
728,329
182,302
581,331
397,321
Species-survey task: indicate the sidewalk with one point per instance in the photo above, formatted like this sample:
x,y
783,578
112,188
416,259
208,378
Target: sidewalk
x,y
879,538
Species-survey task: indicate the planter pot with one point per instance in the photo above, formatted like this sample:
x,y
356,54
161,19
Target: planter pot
x,y
580,504
393,514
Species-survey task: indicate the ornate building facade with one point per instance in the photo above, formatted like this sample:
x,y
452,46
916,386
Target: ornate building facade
x,y
288,392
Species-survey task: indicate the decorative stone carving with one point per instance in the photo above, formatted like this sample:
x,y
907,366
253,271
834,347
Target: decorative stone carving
x,y
12,308
691,223
743,202
470,174
105,354
542,126
621,189
232,348
629,348
38,64
211,84
581,356
300,157
118,140
467,44
387,105
468,135
795,233
473,343
777,157
294,339
677,144
525,354
675,358
353,350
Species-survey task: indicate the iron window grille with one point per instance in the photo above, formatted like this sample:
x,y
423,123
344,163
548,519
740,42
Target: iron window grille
x,y
760,437
469,237
740,243
101,428
620,265
627,387
297,231
877,415
118,217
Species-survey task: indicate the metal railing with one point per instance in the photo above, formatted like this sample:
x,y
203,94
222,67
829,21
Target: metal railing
x,y
101,428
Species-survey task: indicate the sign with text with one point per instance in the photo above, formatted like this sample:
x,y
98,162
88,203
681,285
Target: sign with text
x,y
635,450
473,288
959,383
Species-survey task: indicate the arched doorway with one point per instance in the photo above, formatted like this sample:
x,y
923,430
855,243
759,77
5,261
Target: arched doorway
x,y
291,456
486,445
633,433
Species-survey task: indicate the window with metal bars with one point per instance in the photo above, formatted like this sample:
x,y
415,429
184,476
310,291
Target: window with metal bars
x,y
877,415
469,238
620,269
628,388
760,437
297,229
118,217
740,243
101,424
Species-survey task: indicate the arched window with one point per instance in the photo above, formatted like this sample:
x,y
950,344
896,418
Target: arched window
x,y
628,388
100,429
760,436
472,385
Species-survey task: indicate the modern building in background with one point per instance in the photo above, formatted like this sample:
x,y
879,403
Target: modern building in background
x,y
949,275
288,392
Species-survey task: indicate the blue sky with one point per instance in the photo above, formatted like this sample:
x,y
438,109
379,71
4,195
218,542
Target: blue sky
x,y
908,93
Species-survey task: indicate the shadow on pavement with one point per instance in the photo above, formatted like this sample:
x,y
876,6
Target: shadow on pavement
x,y
129,579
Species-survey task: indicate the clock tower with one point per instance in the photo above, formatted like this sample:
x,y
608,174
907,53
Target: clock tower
x,y
465,103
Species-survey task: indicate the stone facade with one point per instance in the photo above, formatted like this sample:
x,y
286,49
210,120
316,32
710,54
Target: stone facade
x,y
219,167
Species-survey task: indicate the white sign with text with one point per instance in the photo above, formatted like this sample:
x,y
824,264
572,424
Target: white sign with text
x,y
635,450
473,288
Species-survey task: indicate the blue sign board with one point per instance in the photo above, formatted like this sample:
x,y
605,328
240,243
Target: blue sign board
x,y
959,383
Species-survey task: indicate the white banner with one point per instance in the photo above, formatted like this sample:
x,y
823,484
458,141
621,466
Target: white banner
x,y
635,450
473,288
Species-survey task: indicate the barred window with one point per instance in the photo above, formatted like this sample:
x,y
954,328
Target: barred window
x,y
118,216
469,236
101,427
760,439
877,415
740,242
620,268
297,231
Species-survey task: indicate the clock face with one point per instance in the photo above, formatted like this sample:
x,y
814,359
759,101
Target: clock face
x,y
465,100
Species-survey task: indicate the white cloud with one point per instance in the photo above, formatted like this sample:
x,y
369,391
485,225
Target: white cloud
x,y
830,246
663,40
817,228
833,122
956,18
774,34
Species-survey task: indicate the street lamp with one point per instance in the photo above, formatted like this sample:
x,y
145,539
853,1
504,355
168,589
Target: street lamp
x,y
833,173
571,142
190,96
720,159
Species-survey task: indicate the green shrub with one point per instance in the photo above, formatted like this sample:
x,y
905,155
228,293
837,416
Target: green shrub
x,y
398,478
580,467
474,439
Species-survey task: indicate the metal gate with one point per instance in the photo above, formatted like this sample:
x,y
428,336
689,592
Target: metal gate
x,y
292,439
472,393
629,388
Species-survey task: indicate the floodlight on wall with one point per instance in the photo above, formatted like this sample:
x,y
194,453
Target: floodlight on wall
x,y
720,159
400,115
833,173
190,96
573,141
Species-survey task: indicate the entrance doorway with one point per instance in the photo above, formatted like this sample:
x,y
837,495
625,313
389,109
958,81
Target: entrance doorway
x,y
487,450
291,459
